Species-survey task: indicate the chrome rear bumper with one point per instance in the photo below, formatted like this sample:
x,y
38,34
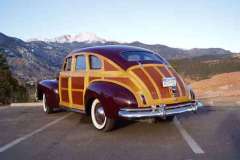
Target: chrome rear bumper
x,y
158,111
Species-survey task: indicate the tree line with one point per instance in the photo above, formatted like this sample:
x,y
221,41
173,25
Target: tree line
x,y
10,90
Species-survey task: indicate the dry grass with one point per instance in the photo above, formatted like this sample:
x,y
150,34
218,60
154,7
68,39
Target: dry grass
x,y
222,85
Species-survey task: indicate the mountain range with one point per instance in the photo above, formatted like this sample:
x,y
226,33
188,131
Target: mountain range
x,y
38,59
86,37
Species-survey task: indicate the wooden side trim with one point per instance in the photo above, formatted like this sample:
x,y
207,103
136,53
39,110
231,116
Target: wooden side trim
x,y
180,82
157,77
109,67
140,73
125,81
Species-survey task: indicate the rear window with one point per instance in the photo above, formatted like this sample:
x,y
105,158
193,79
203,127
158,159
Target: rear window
x,y
138,56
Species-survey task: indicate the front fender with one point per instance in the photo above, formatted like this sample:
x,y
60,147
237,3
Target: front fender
x,y
112,96
50,89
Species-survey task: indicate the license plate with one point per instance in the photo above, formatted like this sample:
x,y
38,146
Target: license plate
x,y
169,82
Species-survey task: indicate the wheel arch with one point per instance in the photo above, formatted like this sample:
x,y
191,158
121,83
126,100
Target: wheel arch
x,y
50,89
113,97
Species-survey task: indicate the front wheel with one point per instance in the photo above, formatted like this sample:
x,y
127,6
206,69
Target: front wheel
x,y
99,119
47,109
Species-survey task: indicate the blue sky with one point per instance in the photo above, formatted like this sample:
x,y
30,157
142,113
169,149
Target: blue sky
x,y
177,23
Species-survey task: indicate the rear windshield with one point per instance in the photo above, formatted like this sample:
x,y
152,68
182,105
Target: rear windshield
x,y
138,56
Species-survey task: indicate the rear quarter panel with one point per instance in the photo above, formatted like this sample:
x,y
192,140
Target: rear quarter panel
x,y
112,96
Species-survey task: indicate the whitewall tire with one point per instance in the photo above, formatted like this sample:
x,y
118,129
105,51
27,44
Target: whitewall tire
x,y
46,108
99,120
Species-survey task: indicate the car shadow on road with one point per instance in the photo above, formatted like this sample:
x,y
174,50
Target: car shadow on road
x,y
84,119
125,123
200,112
120,124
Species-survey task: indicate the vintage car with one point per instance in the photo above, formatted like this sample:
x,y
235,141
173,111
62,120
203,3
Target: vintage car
x,y
117,82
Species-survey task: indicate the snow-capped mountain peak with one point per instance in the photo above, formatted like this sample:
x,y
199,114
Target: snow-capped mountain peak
x,y
81,37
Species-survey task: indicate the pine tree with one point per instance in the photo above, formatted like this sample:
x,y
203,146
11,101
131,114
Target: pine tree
x,y
10,90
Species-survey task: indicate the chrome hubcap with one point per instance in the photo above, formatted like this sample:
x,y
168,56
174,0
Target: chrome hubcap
x,y
99,114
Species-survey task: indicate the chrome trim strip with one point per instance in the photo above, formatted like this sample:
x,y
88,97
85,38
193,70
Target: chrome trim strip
x,y
161,111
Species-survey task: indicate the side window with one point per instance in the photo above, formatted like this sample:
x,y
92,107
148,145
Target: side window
x,y
80,63
67,66
95,62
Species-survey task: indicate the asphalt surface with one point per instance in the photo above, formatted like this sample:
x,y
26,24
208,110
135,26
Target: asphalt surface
x,y
28,133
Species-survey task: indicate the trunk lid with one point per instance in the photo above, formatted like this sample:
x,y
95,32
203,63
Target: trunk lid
x,y
150,80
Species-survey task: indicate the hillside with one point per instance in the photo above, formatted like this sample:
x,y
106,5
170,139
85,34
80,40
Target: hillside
x,y
221,89
226,84
36,60
203,67
10,90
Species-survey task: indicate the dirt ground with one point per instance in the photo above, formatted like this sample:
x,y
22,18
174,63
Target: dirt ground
x,y
222,88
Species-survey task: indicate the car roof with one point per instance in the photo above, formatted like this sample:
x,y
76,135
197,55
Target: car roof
x,y
112,52
109,49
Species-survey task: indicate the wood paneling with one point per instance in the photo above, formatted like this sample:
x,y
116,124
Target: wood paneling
x,y
147,82
77,82
64,82
158,80
77,97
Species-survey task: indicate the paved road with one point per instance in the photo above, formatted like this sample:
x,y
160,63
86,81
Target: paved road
x,y
28,133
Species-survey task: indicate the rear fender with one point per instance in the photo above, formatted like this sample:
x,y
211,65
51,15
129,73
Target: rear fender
x,y
112,96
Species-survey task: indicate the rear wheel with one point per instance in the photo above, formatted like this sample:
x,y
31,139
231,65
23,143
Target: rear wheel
x,y
99,119
47,109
